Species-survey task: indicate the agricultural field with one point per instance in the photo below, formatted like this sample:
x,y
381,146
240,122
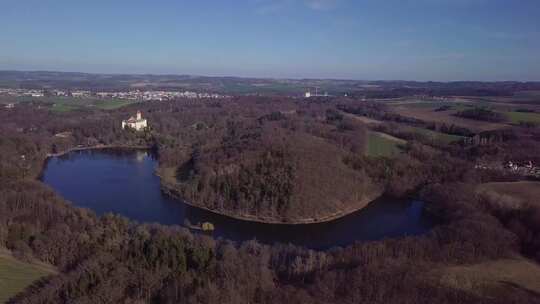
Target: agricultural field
x,y
423,104
521,97
67,104
433,135
16,275
383,145
420,110
428,114
78,104
427,111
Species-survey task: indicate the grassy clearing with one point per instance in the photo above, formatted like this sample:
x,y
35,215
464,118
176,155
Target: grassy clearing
x,y
15,275
486,279
77,104
383,145
111,104
67,104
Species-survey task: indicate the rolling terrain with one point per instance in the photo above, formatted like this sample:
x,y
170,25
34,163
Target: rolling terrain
x,y
16,275
275,159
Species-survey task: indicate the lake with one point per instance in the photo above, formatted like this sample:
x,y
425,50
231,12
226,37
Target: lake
x,y
123,182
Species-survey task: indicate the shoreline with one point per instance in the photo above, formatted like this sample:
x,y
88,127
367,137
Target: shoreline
x,y
97,147
168,189
172,192
74,149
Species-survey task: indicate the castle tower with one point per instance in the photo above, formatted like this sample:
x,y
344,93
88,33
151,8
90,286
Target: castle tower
x,y
139,115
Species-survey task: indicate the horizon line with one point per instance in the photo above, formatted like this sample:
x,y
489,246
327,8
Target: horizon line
x,y
258,77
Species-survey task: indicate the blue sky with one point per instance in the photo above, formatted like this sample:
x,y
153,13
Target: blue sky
x,y
352,39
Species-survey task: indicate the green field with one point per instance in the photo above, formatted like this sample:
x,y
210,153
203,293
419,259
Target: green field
x,y
112,104
67,104
517,117
15,276
380,145
78,104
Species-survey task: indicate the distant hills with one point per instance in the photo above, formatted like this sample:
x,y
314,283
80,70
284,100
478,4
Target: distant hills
x,y
243,86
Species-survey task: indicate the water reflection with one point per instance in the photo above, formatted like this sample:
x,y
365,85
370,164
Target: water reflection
x,y
123,182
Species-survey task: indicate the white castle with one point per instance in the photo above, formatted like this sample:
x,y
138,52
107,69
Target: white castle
x,y
137,123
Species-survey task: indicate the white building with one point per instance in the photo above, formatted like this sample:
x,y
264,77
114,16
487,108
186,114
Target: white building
x,y
137,123
308,94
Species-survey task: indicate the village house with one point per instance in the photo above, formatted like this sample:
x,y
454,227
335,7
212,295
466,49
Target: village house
x,y
522,168
137,123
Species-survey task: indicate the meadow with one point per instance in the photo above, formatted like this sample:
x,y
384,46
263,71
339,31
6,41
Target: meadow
x,y
444,111
383,145
68,104
15,275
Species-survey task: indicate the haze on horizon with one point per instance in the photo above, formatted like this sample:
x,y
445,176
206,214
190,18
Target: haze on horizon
x,y
441,40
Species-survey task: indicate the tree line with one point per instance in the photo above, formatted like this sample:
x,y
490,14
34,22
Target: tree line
x,y
111,259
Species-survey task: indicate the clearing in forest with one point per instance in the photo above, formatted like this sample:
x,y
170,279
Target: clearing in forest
x,y
383,145
15,275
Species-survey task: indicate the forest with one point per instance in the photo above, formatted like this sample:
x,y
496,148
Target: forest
x,y
481,114
263,157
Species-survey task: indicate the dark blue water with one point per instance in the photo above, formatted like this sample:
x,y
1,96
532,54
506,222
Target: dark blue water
x,y
124,182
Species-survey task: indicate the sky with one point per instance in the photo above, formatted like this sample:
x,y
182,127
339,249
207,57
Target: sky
x,y
439,40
